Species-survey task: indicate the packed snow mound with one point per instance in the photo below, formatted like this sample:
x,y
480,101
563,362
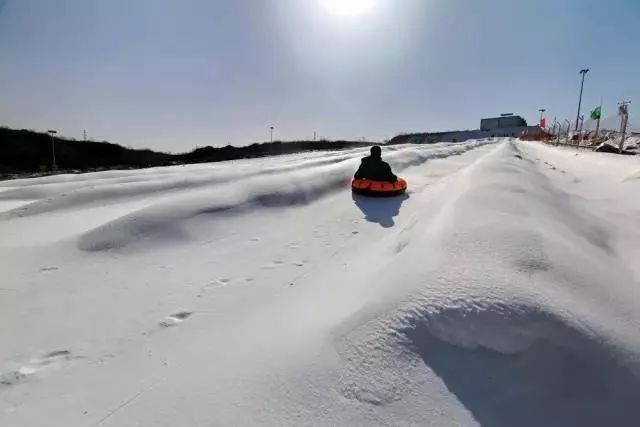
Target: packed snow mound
x,y
522,366
508,364
499,312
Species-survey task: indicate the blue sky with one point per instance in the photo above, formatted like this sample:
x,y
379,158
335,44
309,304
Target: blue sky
x,y
172,75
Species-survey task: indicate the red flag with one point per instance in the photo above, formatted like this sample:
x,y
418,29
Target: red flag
x,y
543,122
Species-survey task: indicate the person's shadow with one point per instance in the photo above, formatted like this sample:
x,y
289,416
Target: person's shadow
x,y
380,210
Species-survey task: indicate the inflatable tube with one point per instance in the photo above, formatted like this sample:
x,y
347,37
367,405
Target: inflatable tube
x,y
369,187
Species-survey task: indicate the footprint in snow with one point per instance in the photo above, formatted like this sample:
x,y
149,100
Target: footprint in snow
x,y
54,268
219,283
272,265
50,360
175,319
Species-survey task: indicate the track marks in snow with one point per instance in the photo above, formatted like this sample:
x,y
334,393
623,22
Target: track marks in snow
x,y
175,319
217,284
126,403
48,361
34,367
273,264
279,263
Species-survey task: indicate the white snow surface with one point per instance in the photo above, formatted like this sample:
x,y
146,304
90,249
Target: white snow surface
x,y
503,289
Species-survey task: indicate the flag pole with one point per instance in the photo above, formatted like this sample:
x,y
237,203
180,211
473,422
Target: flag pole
x,y
598,123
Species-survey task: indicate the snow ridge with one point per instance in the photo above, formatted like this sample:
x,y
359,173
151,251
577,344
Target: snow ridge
x,y
291,186
513,331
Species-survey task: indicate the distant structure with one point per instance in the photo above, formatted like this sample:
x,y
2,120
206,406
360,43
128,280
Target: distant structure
x,y
507,125
505,121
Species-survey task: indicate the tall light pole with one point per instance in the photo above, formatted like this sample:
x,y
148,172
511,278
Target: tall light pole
x,y
271,129
581,125
584,71
53,149
581,122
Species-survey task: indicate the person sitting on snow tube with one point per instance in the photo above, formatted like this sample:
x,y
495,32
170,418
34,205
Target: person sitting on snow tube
x,y
372,167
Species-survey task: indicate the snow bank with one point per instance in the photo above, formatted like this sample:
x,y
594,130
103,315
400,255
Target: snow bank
x,y
611,145
511,314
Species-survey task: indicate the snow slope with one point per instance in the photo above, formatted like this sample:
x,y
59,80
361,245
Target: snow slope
x,y
502,290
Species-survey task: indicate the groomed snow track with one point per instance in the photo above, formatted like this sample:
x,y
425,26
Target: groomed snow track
x,y
500,290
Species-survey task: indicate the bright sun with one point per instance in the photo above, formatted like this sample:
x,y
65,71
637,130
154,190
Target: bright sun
x,y
348,7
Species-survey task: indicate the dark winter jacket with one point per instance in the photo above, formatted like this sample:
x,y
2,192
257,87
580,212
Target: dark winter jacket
x,y
374,168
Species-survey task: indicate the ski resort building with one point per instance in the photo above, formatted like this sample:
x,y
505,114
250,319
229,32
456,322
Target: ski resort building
x,y
507,125
505,121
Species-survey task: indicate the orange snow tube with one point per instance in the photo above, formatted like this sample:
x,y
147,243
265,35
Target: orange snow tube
x,y
369,187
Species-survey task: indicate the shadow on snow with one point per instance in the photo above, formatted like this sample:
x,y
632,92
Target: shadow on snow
x,y
380,210
547,384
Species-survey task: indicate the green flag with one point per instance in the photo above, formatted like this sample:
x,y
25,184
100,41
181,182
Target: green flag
x,y
596,113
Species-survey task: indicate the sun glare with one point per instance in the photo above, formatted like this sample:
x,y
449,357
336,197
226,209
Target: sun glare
x,y
347,7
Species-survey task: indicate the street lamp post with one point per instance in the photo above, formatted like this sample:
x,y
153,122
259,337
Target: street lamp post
x,y
584,71
53,149
542,110
271,129
581,122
